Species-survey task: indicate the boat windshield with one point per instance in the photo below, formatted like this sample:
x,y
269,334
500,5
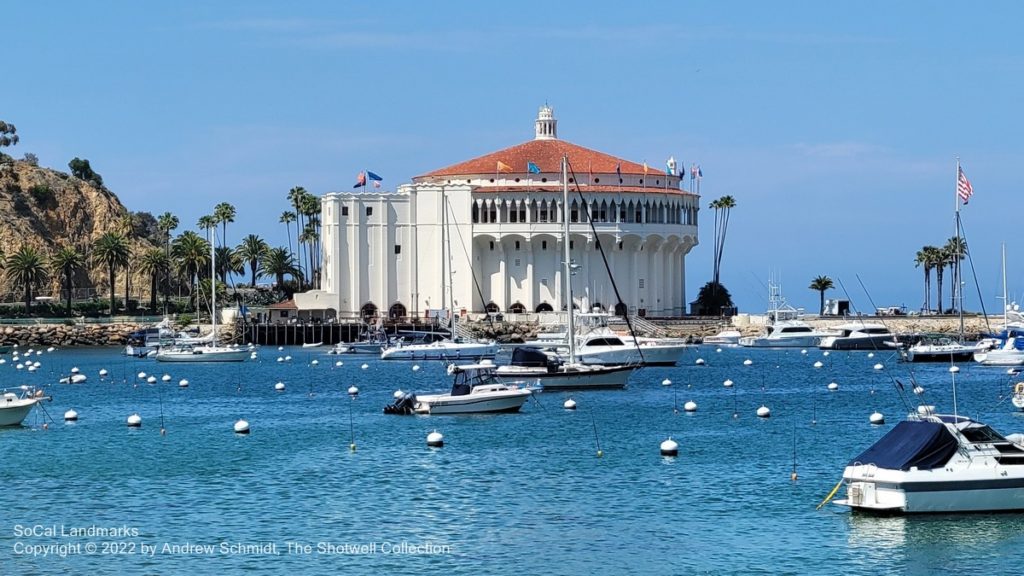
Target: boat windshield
x,y
981,434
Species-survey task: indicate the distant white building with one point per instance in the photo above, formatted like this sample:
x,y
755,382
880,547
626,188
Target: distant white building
x,y
486,235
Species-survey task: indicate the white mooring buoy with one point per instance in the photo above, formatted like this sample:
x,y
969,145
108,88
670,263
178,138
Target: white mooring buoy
x,y
365,366
183,383
135,421
877,418
763,412
879,366
287,358
315,362
151,379
141,374
71,416
279,386
690,406
241,427
75,370
103,372
727,383
435,439
748,362
871,354
415,367
166,378
666,382
569,404
818,364
669,447
339,364
833,386
353,391
699,362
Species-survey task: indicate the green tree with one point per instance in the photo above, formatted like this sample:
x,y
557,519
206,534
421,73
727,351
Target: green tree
x,y
8,134
723,206
228,262
206,223
713,299
167,223
67,262
277,263
821,284
955,251
191,253
155,264
297,196
27,268
926,259
252,250
111,250
80,168
287,218
224,214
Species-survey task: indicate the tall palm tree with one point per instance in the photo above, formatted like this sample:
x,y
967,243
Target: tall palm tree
x,y
191,253
155,264
28,268
66,263
955,251
311,209
821,284
167,223
311,237
252,250
279,262
287,217
925,259
206,223
224,213
111,250
722,207
228,263
296,196
939,261
127,224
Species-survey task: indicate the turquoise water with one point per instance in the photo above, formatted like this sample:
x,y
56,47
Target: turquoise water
x,y
508,494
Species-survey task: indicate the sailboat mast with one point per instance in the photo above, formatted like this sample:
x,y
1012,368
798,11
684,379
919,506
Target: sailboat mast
x,y
213,284
571,321
1006,304
958,289
444,263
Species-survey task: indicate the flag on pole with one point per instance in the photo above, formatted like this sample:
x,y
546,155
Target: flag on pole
x,y
532,168
618,172
700,173
502,167
360,180
373,176
645,168
963,186
693,170
376,183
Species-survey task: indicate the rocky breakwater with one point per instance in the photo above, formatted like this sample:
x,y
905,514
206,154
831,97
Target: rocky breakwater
x,y
67,334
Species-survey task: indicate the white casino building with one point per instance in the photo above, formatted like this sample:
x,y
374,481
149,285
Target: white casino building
x,y
486,235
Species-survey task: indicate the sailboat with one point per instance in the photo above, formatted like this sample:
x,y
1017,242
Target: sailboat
x,y
1010,351
550,371
209,352
447,349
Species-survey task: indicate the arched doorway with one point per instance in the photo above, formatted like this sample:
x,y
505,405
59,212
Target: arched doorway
x,y
397,310
369,310
517,308
620,309
492,308
544,307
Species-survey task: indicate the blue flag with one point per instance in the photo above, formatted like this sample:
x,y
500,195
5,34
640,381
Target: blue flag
x,y
532,168
373,176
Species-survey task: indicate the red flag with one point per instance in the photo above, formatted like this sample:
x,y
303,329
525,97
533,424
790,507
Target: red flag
x,y
963,186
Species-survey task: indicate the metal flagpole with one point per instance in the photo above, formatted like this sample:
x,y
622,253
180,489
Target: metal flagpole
x,y
958,294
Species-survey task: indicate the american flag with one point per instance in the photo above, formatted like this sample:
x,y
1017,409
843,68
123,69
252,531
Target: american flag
x,y
963,186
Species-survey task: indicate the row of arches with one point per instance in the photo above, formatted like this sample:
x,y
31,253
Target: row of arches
x,y
398,310
491,211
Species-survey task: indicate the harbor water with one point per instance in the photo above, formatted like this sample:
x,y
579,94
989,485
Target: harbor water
x,y
521,493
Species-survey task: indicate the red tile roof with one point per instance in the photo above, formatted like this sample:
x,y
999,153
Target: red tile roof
x,y
547,155
286,305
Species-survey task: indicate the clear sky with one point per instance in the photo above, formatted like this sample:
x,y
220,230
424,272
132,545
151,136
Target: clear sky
x,y
835,125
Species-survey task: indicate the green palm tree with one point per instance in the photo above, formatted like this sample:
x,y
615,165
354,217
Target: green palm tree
x,y
926,260
228,263
311,209
28,268
67,262
155,264
311,237
722,208
277,263
111,250
821,284
191,253
167,223
287,218
252,250
296,196
206,223
224,213
955,251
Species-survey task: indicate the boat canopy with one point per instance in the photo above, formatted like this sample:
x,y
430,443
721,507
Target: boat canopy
x,y
533,358
925,445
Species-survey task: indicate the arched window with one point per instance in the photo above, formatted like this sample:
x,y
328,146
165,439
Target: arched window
x,y
620,309
603,214
522,211
492,308
517,308
513,213
397,310
492,212
543,216
574,212
544,307
369,310
476,213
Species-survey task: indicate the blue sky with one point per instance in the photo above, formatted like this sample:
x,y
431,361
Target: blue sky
x,y
834,125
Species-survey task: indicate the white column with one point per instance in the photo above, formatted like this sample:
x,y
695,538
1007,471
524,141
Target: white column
x,y
531,288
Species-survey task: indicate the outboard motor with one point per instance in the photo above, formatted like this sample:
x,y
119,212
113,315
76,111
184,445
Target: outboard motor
x,y
403,406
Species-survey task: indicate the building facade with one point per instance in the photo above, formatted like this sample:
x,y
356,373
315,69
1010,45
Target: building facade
x,y
486,235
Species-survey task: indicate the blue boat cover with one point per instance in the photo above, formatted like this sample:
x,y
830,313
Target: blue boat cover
x,y
925,445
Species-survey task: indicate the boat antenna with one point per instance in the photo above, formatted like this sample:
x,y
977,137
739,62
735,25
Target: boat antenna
x,y
604,257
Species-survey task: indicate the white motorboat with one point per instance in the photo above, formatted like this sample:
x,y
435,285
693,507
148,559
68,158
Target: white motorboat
x,y
340,348
725,338
15,407
609,348
532,364
312,344
785,334
207,352
937,463
859,336
475,390
1018,396
441,350
1009,353
940,349
371,341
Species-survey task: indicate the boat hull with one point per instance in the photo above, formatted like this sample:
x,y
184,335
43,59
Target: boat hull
x,y
441,351
471,404
586,378
989,495
1000,358
787,342
199,356
873,343
14,412
648,355
954,355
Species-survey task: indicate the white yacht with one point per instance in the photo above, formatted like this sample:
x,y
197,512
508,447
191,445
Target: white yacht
x,y
937,463
15,407
532,364
940,349
785,334
475,390
441,350
725,338
1009,353
859,336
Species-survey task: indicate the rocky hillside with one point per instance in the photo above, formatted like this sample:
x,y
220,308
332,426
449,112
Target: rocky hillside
x,y
48,209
